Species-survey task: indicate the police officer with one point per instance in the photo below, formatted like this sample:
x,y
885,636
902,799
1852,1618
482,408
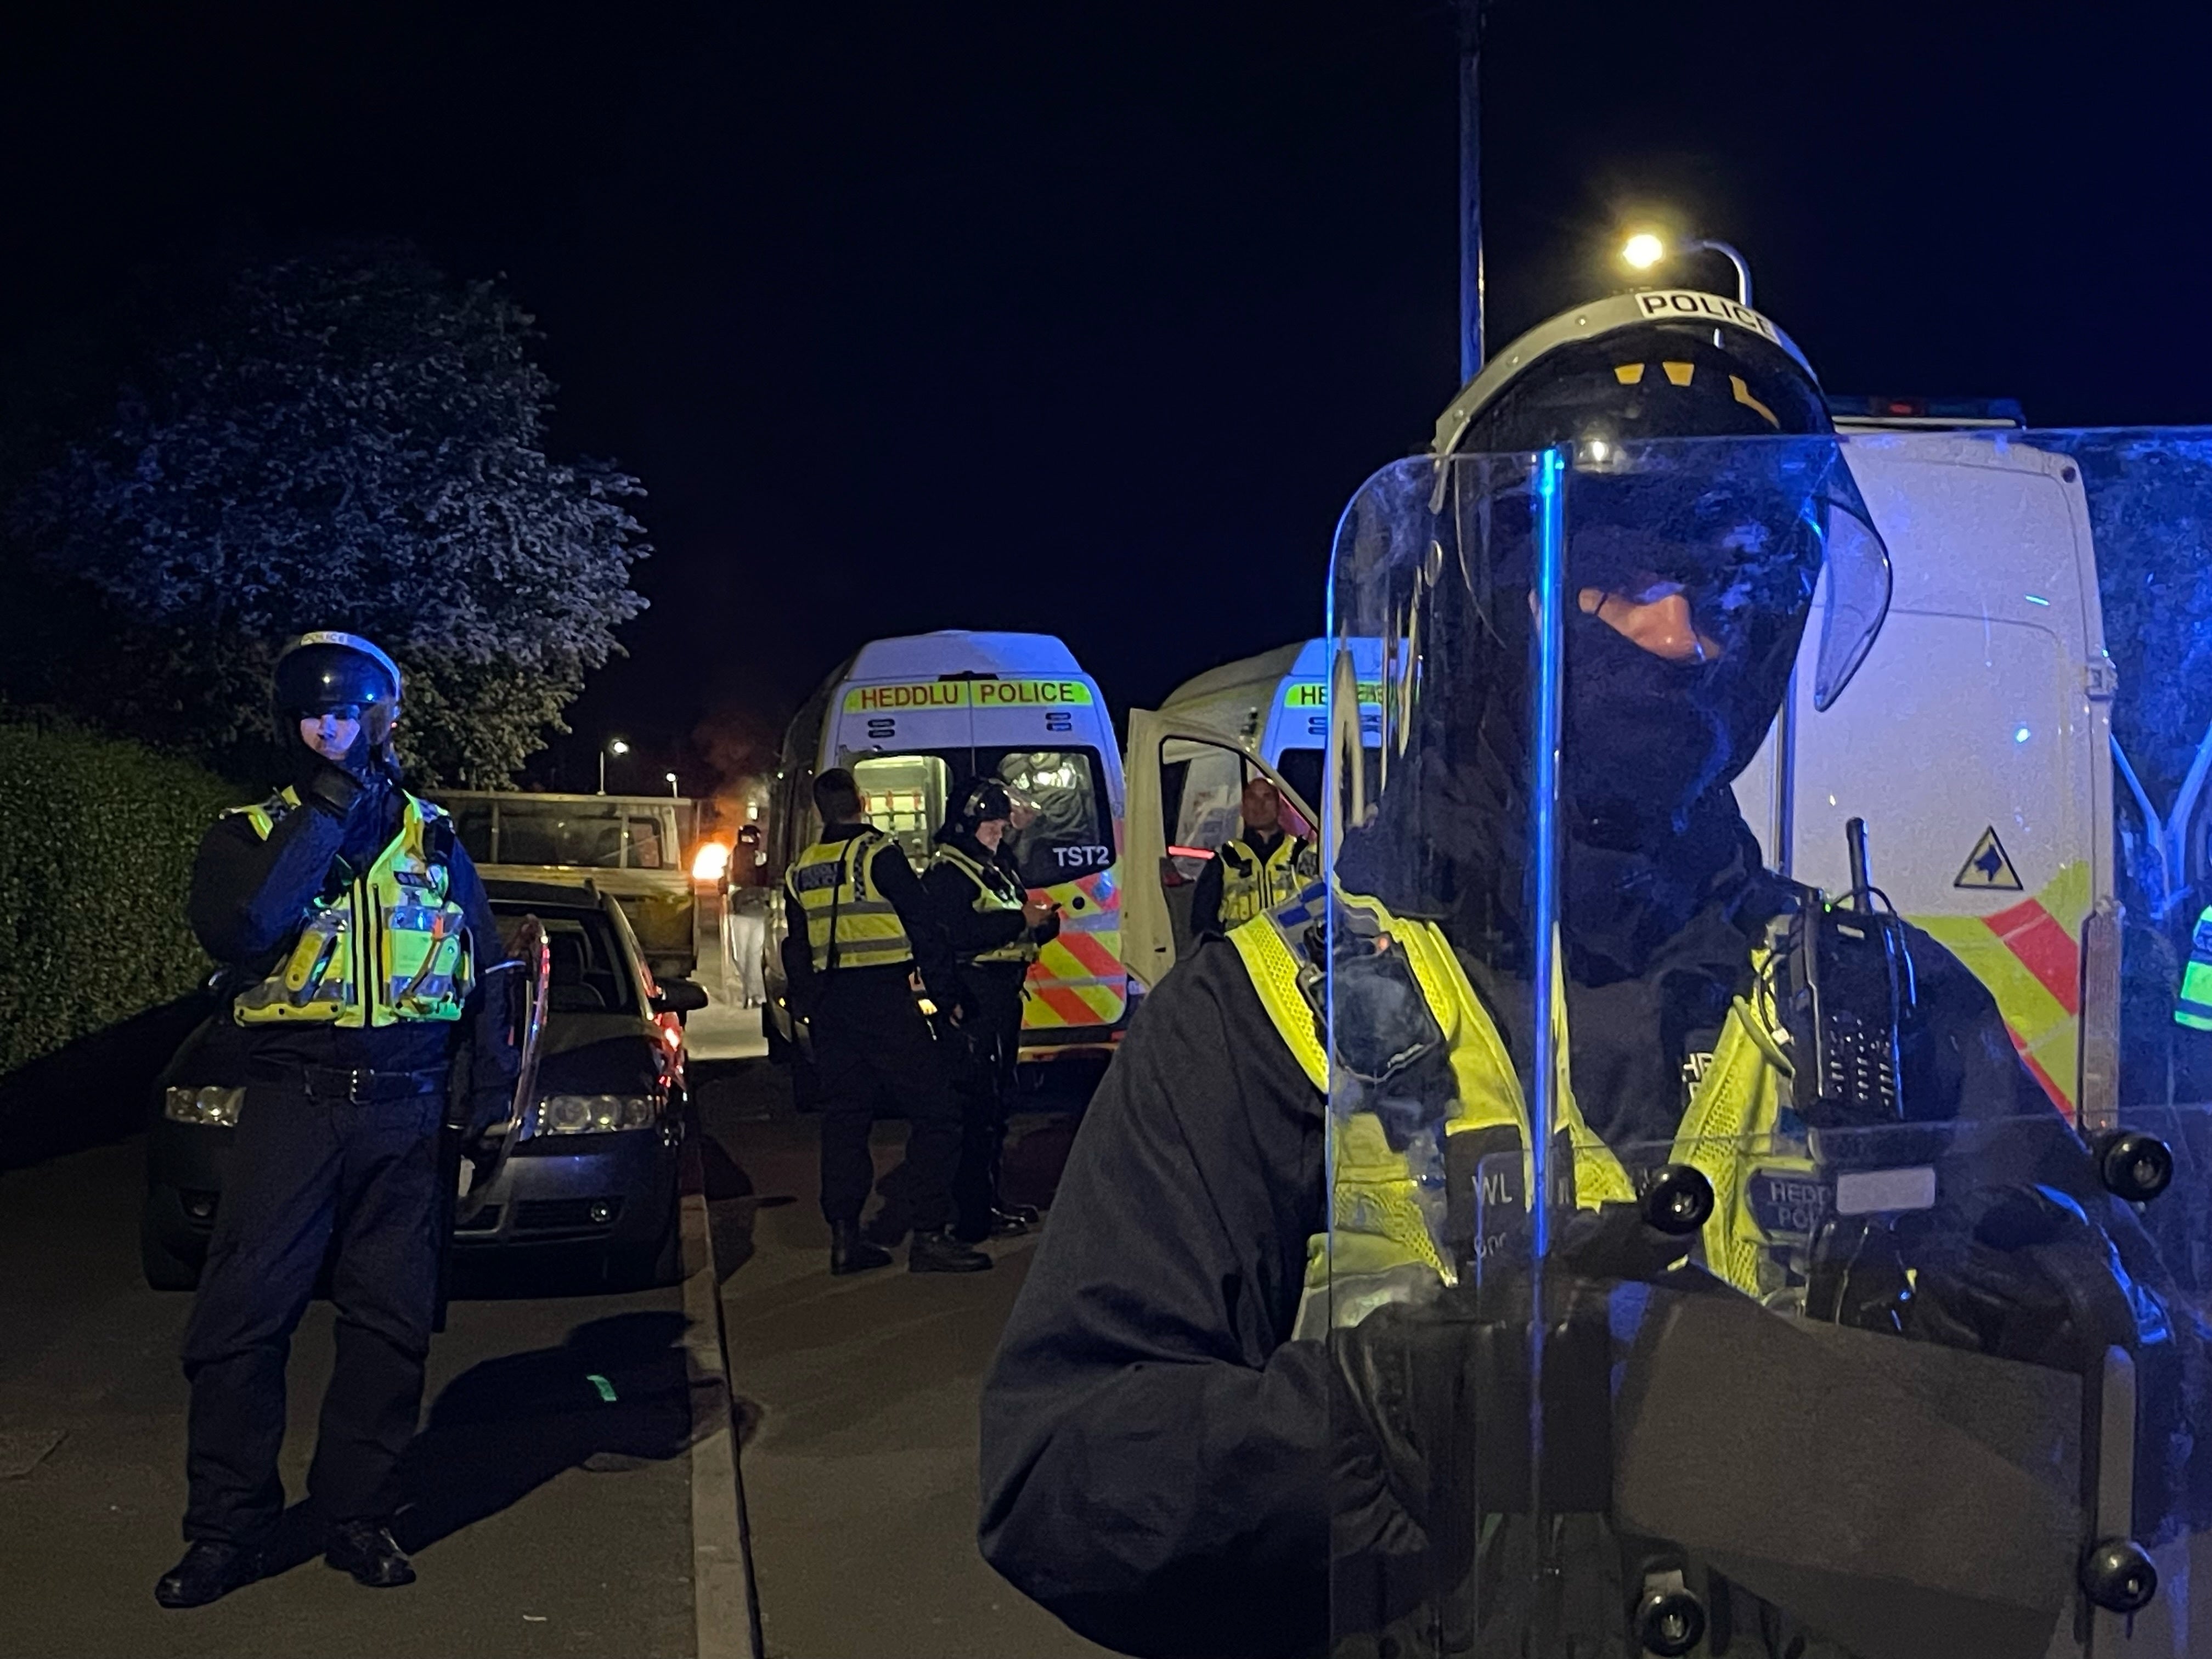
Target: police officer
x,y
362,960
1259,867
861,930
994,928
1223,1383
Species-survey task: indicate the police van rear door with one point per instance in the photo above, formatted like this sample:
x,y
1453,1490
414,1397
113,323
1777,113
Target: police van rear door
x,y
1184,781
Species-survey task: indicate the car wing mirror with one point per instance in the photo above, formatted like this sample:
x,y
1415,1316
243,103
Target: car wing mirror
x,y
680,996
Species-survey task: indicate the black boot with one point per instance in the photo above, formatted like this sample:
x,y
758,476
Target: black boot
x,y
1010,1224
209,1572
938,1252
368,1550
851,1254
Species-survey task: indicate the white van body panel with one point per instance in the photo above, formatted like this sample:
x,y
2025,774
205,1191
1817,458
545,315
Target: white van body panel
x,y
1984,706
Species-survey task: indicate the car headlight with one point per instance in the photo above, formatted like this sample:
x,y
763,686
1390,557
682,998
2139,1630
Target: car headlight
x,y
593,1114
216,1108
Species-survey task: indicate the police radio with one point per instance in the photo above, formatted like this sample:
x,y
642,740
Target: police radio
x,y
1849,994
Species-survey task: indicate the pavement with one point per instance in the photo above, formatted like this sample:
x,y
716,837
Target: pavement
x,y
545,1517
571,1491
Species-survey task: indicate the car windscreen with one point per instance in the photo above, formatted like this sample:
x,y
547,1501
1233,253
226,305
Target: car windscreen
x,y
589,975
586,835
1071,835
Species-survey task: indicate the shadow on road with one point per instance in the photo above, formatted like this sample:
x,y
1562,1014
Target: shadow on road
x,y
613,1396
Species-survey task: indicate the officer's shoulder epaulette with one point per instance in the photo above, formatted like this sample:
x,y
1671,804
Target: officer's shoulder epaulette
x,y
266,815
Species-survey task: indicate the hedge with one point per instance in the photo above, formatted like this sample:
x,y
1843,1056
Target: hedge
x,y
97,836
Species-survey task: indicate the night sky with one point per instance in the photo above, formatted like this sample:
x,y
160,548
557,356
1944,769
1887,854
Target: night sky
x,y
1087,320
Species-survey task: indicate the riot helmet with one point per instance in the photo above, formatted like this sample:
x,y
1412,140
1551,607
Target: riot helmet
x,y
978,802
329,672
1744,531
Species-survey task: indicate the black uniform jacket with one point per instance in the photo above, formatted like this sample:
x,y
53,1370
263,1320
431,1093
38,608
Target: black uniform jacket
x,y
1155,1458
950,892
250,898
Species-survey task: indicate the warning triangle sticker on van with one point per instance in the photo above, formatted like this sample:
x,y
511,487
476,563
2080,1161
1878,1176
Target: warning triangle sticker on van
x,y
1987,867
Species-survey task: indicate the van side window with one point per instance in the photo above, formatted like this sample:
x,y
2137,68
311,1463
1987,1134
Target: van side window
x,y
644,838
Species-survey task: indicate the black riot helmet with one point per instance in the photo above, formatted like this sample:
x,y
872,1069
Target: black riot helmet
x,y
1745,530
975,803
329,672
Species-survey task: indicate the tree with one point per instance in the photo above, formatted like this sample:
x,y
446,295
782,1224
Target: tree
x,y
350,440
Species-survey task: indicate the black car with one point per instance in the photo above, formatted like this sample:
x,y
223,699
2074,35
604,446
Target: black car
x,y
595,1167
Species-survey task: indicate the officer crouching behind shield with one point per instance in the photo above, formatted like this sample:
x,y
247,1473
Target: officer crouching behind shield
x,y
361,959
1258,1394
976,895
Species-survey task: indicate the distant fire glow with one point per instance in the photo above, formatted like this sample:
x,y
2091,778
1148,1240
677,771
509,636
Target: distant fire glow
x,y
711,862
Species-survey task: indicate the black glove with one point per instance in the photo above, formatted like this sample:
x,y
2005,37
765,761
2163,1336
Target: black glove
x,y
328,786
2025,1276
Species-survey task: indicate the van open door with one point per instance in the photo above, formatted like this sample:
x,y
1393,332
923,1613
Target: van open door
x,y
1184,779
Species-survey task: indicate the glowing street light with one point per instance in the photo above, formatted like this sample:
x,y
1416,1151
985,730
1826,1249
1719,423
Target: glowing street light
x,y
671,776
1647,248
618,747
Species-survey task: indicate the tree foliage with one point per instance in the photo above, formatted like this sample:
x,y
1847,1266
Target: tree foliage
x,y
350,440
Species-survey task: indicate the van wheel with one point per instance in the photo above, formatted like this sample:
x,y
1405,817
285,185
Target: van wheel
x,y
164,1269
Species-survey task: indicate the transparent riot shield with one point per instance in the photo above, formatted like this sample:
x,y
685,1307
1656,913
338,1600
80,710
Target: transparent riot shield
x,y
1719,1263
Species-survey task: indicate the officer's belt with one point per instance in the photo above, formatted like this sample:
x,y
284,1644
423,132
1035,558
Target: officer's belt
x,y
357,1085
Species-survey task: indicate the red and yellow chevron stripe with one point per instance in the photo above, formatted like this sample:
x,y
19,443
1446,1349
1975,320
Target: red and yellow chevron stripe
x,y
2029,955
1078,980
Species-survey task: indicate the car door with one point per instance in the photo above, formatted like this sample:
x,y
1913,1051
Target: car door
x,y
1183,780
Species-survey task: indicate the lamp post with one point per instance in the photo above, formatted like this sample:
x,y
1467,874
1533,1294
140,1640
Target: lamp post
x,y
1647,248
618,747
672,795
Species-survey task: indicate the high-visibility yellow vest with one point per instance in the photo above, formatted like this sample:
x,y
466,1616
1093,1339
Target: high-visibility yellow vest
x,y
1380,1238
848,923
997,893
2193,1008
388,947
1251,884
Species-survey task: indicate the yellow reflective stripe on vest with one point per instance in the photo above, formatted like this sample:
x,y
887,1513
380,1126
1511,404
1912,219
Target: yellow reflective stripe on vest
x,y
1250,883
991,899
1373,1205
391,949
830,883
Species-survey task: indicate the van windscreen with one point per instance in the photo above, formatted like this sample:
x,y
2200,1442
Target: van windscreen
x,y
1070,836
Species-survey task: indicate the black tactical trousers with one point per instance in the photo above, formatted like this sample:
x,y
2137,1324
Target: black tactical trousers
x,y
871,1042
303,1169
990,1042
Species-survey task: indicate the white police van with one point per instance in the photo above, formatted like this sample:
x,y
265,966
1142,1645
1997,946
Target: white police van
x,y
913,718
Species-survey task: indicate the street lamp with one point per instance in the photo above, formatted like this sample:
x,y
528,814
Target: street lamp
x,y
618,747
672,795
1646,249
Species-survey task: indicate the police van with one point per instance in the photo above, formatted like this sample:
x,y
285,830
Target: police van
x,y
1987,698
1277,702
913,718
